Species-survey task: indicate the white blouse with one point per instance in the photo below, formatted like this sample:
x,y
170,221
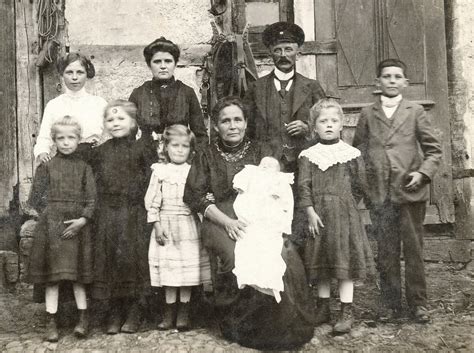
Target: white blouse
x,y
86,108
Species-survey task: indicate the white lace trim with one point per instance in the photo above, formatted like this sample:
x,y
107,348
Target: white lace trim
x,y
325,156
171,173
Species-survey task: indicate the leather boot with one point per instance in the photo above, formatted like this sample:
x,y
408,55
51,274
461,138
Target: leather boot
x,y
52,334
323,312
134,318
345,321
114,320
182,321
82,327
169,317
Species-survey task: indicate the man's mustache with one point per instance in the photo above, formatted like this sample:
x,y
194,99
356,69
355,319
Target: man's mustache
x,y
283,61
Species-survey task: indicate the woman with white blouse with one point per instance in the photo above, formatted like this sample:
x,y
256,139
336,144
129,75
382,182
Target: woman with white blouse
x,y
88,109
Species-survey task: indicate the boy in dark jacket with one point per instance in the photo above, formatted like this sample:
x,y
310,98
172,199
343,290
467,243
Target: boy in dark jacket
x,y
401,154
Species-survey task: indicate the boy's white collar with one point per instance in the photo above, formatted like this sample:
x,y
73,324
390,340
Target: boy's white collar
x,y
390,102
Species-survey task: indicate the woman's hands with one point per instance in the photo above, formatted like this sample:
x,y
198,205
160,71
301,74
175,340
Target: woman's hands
x,y
314,221
43,158
75,225
235,228
160,234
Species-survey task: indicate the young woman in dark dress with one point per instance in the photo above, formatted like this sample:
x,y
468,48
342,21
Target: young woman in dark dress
x,y
121,168
164,101
246,316
64,193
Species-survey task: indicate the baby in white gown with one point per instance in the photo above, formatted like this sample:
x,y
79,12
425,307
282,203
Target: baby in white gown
x,y
265,204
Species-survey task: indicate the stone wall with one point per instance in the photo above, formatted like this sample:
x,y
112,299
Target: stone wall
x,y
460,50
114,33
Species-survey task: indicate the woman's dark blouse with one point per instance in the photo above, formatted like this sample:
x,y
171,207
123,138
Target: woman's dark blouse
x,y
211,173
164,103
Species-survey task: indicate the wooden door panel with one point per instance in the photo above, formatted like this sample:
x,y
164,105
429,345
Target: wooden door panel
x,y
355,42
405,29
367,31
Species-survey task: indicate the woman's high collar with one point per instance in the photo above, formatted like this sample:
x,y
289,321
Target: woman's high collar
x,y
75,94
231,149
164,83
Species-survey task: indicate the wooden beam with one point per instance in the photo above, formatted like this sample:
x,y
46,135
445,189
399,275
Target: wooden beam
x,y
436,66
28,94
8,144
446,249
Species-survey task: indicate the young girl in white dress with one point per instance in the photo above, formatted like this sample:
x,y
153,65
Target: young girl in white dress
x,y
265,204
176,256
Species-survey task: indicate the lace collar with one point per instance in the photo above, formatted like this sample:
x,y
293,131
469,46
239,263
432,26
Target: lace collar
x,y
325,156
233,154
172,173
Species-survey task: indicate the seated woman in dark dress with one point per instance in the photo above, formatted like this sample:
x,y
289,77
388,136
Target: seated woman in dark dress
x,y
164,101
246,316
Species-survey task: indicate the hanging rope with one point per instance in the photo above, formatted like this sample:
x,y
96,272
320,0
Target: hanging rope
x,y
48,18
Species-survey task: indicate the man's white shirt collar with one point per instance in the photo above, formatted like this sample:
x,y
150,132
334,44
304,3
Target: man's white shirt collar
x,y
283,76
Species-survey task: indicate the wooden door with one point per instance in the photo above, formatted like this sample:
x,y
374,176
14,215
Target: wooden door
x,y
8,145
352,36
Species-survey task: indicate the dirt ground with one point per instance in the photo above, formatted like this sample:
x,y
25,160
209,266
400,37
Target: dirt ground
x,y
450,303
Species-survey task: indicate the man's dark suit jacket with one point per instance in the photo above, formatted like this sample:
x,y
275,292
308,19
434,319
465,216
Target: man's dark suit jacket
x,y
263,122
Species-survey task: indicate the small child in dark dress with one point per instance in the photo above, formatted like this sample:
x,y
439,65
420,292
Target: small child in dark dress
x,y
121,169
64,193
330,184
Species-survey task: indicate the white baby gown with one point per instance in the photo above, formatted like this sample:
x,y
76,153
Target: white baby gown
x,y
265,203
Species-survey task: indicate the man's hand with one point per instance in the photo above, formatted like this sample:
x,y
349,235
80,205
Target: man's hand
x,y
297,128
415,183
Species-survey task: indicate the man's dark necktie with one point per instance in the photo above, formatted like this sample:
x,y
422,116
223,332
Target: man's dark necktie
x,y
283,84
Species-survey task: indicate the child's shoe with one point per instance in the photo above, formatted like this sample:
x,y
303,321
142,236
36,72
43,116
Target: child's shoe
x,y
82,327
114,321
323,312
134,317
420,314
169,317
345,321
52,334
182,321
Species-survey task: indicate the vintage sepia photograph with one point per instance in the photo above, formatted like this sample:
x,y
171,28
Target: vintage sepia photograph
x,y
236,175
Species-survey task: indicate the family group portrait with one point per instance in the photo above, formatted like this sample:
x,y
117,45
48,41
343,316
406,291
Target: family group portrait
x,y
236,175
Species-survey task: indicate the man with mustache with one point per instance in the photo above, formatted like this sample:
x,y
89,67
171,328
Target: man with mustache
x,y
279,102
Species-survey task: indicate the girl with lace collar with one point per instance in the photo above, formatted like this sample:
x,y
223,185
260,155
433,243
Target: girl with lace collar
x,y
177,259
331,183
